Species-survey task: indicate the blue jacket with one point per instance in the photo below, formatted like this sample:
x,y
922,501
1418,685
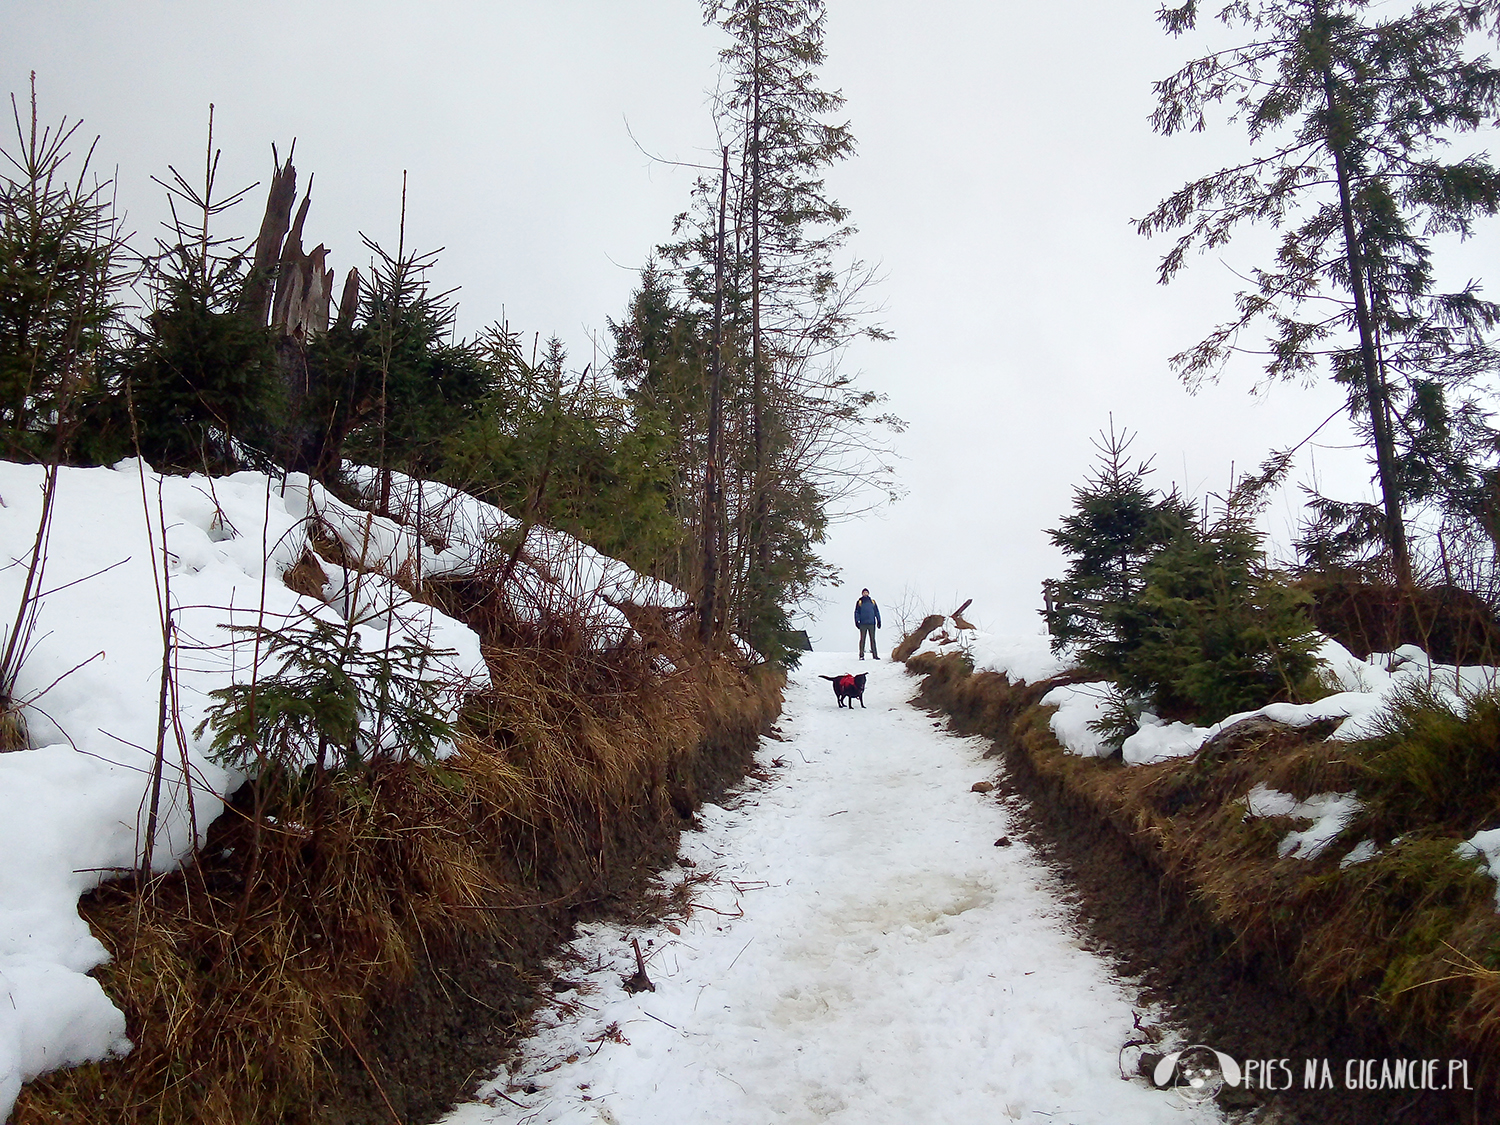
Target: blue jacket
x,y
866,612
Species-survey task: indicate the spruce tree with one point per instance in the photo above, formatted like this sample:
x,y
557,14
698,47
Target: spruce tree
x,y
790,226
775,309
200,378
60,251
1183,616
1348,115
1118,522
421,386
1218,631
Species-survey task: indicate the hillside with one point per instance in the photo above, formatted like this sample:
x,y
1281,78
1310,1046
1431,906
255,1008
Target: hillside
x,y
133,563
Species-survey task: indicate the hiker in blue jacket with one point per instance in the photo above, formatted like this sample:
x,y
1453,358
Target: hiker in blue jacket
x,y
867,620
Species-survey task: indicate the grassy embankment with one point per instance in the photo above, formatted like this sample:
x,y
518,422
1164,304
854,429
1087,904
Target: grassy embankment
x,y
376,979
1408,941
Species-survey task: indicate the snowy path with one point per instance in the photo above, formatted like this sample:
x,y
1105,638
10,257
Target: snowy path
x,y
891,963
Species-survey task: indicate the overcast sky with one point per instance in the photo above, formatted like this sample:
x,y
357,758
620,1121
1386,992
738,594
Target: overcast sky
x,y
1003,151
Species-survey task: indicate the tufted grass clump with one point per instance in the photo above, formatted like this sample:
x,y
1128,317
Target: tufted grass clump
x,y
1434,762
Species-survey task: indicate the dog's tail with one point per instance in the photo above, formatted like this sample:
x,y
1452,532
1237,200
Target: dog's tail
x,y
829,678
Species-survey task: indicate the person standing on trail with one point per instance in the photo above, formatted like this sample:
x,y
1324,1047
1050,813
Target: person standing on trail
x,y
866,620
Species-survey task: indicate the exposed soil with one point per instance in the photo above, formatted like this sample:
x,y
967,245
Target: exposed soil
x,y
1245,1006
428,1045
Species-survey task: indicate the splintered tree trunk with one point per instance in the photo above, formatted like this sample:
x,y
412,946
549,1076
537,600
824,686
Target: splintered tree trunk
x,y
713,485
349,300
292,292
256,298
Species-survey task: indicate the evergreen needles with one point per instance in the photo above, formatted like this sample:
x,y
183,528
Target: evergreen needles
x,y
1183,614
329,702
1349,108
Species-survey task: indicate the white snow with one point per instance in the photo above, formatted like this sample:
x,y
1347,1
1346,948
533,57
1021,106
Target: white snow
x,y
1369,687
1158,740
1023,658
1485,848
862,953
555,570
75,801
1362,852
1328,812
1078,707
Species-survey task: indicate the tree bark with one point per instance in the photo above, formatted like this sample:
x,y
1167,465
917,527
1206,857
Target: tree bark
x,y
349,300
760,517
292,292
256,298
713,487
1375,388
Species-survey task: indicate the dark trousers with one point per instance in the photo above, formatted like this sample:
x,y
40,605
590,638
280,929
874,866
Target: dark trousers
x,y
867,631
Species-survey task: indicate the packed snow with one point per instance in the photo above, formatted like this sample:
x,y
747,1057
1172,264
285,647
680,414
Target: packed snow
x,y
861,951
90,684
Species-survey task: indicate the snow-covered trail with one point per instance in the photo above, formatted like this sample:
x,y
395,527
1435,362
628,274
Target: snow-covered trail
x,y
864,953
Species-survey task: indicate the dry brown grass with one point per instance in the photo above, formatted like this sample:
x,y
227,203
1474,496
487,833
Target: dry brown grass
x,y
1411,938
12,727
241,982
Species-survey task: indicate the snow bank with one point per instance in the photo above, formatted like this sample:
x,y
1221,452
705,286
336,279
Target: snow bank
x,y
1021,658
1369,686
1078,707
90,685
446,532
91,681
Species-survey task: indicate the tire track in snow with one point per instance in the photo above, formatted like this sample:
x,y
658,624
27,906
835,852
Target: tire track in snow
x,y
863,953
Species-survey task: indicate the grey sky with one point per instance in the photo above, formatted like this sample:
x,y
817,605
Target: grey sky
x,y
1003,150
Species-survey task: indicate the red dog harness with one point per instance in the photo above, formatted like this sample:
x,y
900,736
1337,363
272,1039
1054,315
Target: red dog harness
x,y
844,683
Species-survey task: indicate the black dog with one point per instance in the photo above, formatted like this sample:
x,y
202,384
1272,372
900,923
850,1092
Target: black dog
x,y
848,687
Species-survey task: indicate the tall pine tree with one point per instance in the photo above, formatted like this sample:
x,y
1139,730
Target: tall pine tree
x,y
786,308
1347,115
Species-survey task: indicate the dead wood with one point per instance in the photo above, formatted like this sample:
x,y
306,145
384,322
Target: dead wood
x,y
639,981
